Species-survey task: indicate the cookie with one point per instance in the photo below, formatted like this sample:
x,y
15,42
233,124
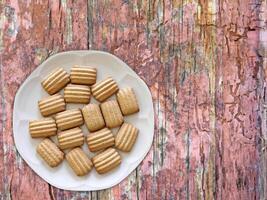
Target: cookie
x,y
43,128
70,138
126,137
83,75
93,117
50,153
106,160
112,113
51,105
100,140
77,94
79,161
104,89
55,81
69,119
127,101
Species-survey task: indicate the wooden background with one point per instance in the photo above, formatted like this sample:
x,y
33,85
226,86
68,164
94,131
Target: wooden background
x,y
205,64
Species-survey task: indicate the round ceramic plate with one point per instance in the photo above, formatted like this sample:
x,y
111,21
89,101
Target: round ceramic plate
x,y
26,109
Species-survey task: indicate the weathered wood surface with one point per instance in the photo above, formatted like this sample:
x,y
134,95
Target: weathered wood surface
x,y
205,64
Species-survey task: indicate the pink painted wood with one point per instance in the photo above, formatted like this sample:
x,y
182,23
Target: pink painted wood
x,y
205,64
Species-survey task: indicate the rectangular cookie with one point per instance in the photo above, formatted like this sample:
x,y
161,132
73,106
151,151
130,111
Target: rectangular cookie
x,y
126,137
79,161
93,117
77,94
69,119
70,138
51,105
106,160
127,101
112,113
42,128
55,81
100,140
83,75
50,153
104,89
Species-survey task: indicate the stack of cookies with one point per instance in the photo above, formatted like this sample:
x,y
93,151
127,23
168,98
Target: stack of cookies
x,y
79,87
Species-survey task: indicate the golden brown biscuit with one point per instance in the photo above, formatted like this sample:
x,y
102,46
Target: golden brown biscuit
x,y
106,160
112,113
49,151
104,89
51,105
77,93
79,161
55,81
43,128
127,101
126,137
83,75
93,117
100,140
69,119
70,138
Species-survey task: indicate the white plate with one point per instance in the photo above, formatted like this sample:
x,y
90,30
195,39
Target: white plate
x,y
26,109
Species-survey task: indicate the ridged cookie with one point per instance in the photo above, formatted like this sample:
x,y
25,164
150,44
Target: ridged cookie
x,y
127,101
100,140
112,113
83,75
69,119
104,89
93,117
70,138
51,105
126,137
55,81
50,153
79,162
42,128
106,160
77,94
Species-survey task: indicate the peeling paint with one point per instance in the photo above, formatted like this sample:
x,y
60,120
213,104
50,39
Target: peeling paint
x,y
202,63
27,21
12,22
69,27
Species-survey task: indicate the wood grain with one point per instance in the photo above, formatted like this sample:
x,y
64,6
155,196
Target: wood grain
x,y
205,64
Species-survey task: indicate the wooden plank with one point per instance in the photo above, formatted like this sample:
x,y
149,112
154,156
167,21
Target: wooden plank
x,y
262,145
238,105
17,63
